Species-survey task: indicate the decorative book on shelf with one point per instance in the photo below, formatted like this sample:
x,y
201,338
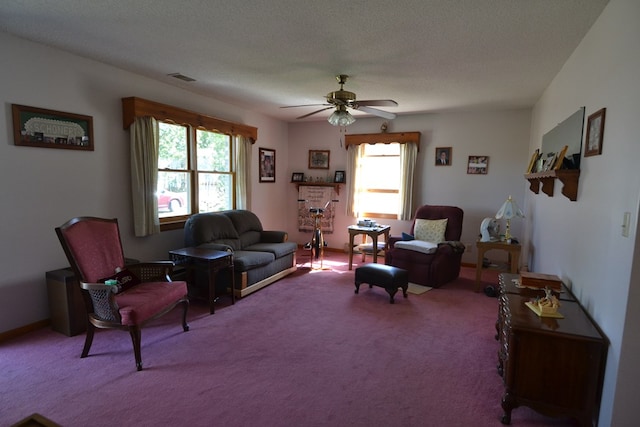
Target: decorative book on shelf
x,y
540,280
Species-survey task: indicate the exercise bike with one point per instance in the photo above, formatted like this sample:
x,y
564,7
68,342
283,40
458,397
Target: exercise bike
x,y
317,243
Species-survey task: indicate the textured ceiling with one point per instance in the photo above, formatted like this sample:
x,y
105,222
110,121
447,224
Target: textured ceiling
x,y
428,55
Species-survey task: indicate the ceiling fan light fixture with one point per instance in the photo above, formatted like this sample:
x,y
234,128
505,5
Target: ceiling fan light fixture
x,y
341,117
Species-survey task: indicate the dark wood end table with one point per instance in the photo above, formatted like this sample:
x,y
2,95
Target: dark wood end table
x,y
373,232
513,249
212,260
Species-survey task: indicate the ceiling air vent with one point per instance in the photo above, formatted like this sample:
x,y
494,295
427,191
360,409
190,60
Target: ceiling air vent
x,y
182,77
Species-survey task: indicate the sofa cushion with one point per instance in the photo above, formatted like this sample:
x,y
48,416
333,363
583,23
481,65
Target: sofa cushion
x,y
277,249
247,260
430,230
247,226
211,228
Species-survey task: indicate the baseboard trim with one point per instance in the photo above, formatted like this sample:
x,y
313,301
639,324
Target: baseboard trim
x,y
14,333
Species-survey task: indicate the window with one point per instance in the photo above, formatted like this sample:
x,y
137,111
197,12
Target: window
x,y
194,172
379,181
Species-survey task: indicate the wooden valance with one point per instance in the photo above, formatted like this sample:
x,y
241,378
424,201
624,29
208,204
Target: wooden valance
x,y
133,107
383,138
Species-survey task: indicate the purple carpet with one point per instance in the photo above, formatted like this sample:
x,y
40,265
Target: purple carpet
x,y
304,351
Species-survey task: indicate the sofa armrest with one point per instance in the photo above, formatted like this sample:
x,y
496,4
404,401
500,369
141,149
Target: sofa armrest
x,y
216,247
273,236
454,246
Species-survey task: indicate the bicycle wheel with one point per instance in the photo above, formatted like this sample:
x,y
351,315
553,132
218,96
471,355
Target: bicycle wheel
x,y
317,243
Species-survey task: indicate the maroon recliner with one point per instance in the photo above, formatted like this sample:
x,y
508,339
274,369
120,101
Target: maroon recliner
x,y
432,269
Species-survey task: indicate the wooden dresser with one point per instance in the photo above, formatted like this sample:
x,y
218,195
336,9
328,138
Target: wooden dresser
x,y
554,366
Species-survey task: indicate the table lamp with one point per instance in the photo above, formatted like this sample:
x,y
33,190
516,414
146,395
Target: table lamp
x,y
509,210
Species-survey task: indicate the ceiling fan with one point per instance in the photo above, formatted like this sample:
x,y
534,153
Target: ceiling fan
x,y
342,99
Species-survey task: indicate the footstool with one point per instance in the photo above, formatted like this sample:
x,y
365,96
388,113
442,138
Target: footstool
x,y
385,276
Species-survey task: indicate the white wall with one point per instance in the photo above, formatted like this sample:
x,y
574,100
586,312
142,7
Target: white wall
x,y
501,135
581,241
42,188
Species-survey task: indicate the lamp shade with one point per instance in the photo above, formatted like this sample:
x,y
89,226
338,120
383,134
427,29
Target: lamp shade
x,y
509,210
341,117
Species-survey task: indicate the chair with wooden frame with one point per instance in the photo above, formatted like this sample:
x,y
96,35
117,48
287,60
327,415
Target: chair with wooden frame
x,y
132,296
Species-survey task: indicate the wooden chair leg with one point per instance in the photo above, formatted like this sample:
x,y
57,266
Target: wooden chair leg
x,y
136,338
88,339
185,305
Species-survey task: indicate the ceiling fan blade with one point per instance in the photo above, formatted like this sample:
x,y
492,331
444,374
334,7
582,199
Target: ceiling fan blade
x,y
378,102
317,111
305,105
375,112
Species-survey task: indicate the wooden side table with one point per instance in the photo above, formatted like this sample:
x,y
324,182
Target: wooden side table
x,y
214,261
570,353
513,249
372,232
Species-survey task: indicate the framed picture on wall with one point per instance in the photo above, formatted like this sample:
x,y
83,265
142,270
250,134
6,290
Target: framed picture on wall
x,y
478,165
443,156
595,132
339,177
267,165
37,127
297,177
319,159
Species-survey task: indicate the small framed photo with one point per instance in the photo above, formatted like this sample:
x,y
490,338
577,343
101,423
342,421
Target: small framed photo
x,y
443,156
478,165
37,127
319,159
532,162
339,177
267,165
297,177
595,132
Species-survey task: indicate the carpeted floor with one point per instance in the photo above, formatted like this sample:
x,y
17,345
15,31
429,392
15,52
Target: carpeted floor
x,y
304,351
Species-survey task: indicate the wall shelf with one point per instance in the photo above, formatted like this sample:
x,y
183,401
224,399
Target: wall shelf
x,y
568,177
335,185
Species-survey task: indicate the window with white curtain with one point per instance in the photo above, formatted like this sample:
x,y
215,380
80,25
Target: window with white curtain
x,y
195,172
379,180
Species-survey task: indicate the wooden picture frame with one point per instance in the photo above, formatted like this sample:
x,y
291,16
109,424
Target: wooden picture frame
x,y
297,177
478,165
443,156
39,127
339,177
595,133
560,157
319,159
267,165
532,162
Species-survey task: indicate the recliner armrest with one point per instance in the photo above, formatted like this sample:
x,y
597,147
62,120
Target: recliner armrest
x,y
456,246
392,240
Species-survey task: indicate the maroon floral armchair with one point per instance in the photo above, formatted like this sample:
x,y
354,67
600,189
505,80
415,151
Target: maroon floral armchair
x,y
430,264
116,296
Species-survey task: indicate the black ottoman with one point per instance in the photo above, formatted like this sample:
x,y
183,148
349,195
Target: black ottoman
x,y
385,276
